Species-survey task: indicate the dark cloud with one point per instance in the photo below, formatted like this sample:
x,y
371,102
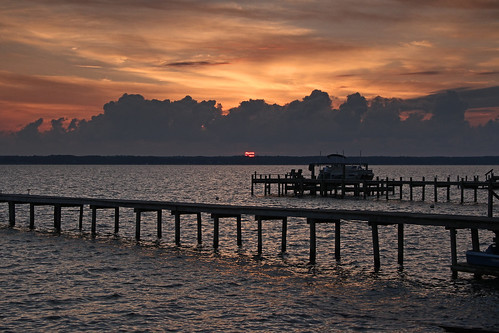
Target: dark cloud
x,y
488,73
435,125
195,63
422,73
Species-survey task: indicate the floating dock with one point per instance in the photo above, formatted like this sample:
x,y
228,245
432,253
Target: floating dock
x,y
314,218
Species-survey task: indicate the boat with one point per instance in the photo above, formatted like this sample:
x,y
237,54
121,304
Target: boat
x,y
341,169
488,258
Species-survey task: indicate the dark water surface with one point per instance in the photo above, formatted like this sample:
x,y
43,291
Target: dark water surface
x,y
72,282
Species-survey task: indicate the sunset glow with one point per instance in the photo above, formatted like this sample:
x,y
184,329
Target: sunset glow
x,y
63,59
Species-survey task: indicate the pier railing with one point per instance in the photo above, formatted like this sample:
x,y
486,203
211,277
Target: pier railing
x,y
313,216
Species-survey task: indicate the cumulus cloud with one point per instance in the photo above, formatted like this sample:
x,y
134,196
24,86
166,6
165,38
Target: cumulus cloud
x,y
133,125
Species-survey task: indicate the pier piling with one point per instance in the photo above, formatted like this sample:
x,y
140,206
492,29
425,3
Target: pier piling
x,y
32,216
400,228
12,214
377,261
313,242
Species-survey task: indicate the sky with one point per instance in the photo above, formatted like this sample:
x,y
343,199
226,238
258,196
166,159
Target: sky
x,y
64,61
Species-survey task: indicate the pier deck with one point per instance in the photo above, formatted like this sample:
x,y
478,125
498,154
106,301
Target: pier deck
x,y
217,211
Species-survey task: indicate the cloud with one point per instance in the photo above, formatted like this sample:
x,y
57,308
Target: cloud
x,y
195,63
133,125
422,73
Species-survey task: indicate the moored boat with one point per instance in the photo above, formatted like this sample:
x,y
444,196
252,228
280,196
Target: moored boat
x,y
488,258
341,170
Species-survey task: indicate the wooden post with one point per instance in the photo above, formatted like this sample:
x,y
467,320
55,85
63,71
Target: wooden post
x,y
259,249
462,191
475,189
252,183
401,244
159,224
116,220
435,191
12,214
177,228
474,240
410,186
377,261
423,190
284,234
313,241
377,187
57,218
386,188
31,216
239,233
94,221
80,221
137,224
453,250
448,189
216,221
337,233
401,188
200,229
278,185
490,200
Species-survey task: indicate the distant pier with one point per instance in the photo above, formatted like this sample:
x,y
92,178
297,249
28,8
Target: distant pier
x,y
294,184
314,218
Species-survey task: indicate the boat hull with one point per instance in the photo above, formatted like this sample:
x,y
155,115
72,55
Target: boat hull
x,y
482,259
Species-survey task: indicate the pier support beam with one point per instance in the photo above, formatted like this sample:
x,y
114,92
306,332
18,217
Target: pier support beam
x,y
475,242
12,214
57,218
116,220
400,261
80,220
177,228
313,238
159,224
453,250
313,242
31,216
138,213
177,215
94,221
259,219
216,218
94,208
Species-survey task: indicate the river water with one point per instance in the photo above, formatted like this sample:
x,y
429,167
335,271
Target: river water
x,y
74,282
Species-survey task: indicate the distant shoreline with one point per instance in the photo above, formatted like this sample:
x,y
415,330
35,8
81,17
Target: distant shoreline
x,y
239,160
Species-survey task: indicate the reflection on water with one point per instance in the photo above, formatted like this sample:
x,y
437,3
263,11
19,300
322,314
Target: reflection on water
x,y
74,282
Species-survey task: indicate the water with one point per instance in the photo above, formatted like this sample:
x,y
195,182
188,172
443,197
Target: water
x,y
74,282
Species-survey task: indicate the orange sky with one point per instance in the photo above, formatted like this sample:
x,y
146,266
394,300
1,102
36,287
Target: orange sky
x,y
68,58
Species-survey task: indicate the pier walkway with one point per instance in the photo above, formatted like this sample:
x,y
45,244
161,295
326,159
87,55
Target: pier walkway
x,y
314,218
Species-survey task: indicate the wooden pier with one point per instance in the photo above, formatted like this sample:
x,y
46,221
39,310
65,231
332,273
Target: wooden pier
x,y
291,184
314,218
